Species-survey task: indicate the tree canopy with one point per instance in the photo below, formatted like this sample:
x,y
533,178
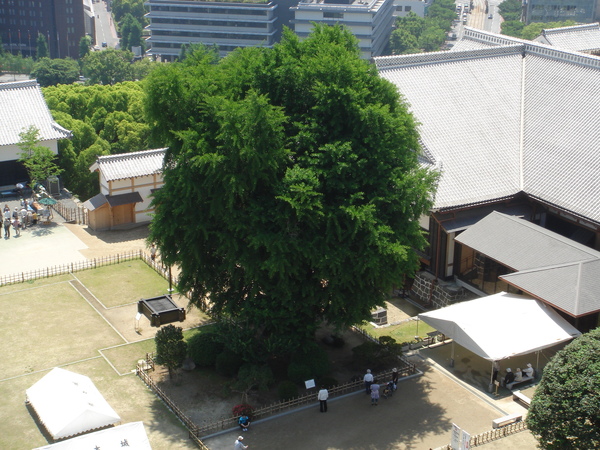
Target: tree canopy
x,y
39,161
109,66
292,189
565,410
50,72
171,349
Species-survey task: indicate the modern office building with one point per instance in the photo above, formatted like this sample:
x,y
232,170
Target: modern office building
x,y
229,25
370,21
61,21
580,11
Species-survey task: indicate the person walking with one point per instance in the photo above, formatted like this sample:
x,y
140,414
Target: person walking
x,y
17,226
374,393
7,228
239,445
323,396
368,379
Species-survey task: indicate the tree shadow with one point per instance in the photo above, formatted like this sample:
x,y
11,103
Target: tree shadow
x,y
137,231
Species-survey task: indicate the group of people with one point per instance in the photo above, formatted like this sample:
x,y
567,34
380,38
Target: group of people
x,y
22,217
516,376
372,387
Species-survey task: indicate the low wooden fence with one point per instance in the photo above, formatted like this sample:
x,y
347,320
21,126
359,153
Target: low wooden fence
x,y
78,266
492,435
73,215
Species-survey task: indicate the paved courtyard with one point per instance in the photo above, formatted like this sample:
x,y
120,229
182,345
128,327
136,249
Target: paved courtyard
x,y
419,416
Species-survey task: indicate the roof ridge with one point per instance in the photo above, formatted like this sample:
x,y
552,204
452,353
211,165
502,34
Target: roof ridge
x,y
595,254
580,27
18,84
127,155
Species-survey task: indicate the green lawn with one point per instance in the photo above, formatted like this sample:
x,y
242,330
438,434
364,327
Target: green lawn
x,y
123,283
49,325
404,332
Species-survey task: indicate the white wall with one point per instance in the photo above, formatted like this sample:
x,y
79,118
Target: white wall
x,y
12,152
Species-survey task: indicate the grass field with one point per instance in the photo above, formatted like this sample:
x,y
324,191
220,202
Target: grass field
x,y
123,283
48,323
404,332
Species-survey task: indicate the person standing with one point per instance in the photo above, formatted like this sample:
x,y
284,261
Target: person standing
x,y
323,396
395,378
239,445
374,393
368,379
153,252
495,371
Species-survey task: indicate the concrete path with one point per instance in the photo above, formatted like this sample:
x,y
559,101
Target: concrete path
x,y
419,416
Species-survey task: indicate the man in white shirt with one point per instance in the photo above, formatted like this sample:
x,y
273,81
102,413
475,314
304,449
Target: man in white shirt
x,y
323,396
368,379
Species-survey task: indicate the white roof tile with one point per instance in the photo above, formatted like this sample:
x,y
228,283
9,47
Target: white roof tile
x,y
581,38
519,117
22,105
130,165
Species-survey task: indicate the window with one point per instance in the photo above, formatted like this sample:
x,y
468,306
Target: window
x,y
333,15
407,8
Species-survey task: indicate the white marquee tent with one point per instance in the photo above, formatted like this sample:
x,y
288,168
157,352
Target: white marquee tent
x,y
130,436
68,404
501,326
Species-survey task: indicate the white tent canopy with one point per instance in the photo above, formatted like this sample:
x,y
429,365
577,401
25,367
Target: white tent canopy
x,y
501,326
68,404
131,436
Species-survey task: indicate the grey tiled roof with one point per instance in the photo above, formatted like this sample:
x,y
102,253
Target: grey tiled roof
x,y
581,38
522,245
22,105
549,266
572,287
519,117
130,165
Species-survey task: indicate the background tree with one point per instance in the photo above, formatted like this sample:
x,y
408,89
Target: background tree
x,y
131,33
50,72
565,410
84,46
134,7
37,159
104,120
109,66
292,189
402,42
171,349
511,10
41,47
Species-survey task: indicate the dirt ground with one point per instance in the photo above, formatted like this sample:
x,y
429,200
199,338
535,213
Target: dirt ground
x,y
106,243
207,398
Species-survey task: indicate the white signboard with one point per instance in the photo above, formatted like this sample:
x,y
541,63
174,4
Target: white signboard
x,y
464,443
455,441
309,384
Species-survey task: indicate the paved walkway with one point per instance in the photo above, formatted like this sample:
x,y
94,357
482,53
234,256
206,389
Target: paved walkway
x,y
419,416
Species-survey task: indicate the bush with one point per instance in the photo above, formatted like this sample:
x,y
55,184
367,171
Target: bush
x,y
203,348
228,363
374,356
298,372
315,358
287,390
333,341
328,382
243,409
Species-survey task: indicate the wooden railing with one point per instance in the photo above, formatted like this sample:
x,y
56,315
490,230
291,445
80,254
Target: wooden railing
x,y
492,435
74,215
405,369
73,267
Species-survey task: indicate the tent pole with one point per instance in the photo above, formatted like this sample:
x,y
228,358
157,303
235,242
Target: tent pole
x,y
537,361
452,357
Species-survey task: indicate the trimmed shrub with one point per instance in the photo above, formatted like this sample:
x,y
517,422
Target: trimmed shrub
x,y
243,409
315,358
228,363
287,390
204,348
328,382
374,356
298,372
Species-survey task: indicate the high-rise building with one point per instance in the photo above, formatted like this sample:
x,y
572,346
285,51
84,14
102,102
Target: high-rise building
x,y
580,11
228,25
370,21
60,21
